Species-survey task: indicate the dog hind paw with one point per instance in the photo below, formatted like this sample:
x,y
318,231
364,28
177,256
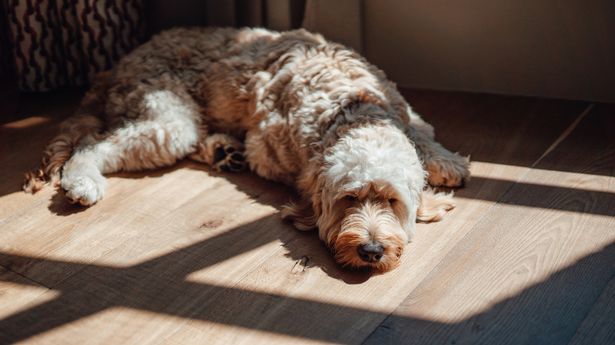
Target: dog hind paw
x,y
229,159
222,152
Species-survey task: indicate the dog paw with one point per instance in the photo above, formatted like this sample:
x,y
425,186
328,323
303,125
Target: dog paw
x,y
434,206
222,152
229,158
83,189
450,171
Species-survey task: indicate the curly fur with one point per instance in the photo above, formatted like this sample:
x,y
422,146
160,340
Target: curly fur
x,y
309,113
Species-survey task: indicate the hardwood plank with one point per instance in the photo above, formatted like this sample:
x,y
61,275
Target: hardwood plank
x,y
522,274
189,206
567,184
599,325
209,227
117,294
17,293
182,254
469,123
279,275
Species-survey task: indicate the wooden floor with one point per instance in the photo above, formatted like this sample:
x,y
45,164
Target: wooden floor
x,y
185,255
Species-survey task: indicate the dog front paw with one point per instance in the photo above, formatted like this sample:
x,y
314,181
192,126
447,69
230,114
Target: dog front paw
x,y
84,189
450,171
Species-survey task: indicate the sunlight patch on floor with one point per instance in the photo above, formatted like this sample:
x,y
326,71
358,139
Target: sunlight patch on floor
x,y
549,178
15,297
501,269
228,272
155,328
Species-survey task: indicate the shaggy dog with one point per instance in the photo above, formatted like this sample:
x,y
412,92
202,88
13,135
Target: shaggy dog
x,y
290,106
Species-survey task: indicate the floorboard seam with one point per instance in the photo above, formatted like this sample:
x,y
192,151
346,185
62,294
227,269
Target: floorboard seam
x,y
26,277
604,290
550,149
565,133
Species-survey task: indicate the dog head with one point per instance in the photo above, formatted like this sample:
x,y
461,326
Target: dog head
x,y
365,197
367,226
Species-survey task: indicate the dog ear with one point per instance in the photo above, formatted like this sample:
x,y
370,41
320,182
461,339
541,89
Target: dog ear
x,y
433,206
301,214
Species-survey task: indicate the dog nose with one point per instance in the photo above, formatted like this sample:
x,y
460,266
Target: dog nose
x,y
371,252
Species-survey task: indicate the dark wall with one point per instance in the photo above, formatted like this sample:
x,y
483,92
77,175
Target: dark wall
x,y
543,48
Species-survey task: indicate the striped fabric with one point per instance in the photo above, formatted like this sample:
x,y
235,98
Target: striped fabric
x,y
65,42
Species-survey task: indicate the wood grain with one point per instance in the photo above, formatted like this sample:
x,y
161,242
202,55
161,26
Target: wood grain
x,y
186,255
525,275
18,293
599,325
492,128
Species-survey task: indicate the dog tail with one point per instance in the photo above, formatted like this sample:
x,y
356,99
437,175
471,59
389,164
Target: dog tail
x,y
434,205
87,122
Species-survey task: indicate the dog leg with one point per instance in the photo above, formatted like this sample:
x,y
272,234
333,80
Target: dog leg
x,y
167,131
222,152
445,168
87,121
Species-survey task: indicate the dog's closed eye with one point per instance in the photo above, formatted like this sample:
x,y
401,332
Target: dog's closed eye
x,y
350,197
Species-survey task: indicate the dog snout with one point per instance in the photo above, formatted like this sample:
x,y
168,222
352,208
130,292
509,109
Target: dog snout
x,y
371,252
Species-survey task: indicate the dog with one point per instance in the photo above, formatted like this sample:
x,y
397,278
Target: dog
x,y
290,106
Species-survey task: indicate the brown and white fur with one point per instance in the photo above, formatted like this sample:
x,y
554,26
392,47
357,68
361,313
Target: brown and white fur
x,y
296,108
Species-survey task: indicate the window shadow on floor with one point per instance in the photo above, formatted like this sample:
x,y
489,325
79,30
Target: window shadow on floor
x,y
547,312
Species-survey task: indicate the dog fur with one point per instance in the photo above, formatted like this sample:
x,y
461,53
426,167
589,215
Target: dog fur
x,y
292,106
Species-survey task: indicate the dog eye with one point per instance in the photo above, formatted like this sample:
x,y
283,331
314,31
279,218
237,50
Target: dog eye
x,y
392,201
350,197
